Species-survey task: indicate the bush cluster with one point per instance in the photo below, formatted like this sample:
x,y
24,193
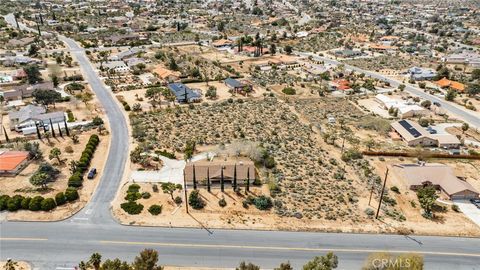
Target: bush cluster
x,y
76,179
19,202
155,209
132,207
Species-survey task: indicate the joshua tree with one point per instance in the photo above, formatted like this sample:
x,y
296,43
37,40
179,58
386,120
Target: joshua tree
x,y
55,153
95,260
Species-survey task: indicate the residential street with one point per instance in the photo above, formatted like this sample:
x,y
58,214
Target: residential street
x,y
62,245
462,113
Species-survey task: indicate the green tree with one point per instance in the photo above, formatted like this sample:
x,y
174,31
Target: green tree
x,y
284,266
33,150
40,179
154,94
55,154
95,260
189,150
195,201
288,49
427,197
465,127
147,260
327,262
211,92
33,74
170,188
473,89
476,74
55,81
46,97
450,95
247,266
273,49
115,264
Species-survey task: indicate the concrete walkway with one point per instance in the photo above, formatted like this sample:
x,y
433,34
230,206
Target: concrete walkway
x,y
470,210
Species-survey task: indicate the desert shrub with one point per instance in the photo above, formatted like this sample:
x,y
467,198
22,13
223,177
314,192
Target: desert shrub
x,y
289,91
70,116
60,198
155,209
69,149
269,162
132,208
263,202
455,208
165,154
195,201
36,203
222,202
390,201
146,195
97,121
25,203
71,194
133,188
351,154
48,204
133,196
155,188
395,189
178,200
369,212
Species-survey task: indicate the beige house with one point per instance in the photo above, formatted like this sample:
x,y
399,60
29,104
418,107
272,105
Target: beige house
x,y
415,135
243,169
440,176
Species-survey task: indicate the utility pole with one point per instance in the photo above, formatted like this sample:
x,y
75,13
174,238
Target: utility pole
x,y
381,195
185,190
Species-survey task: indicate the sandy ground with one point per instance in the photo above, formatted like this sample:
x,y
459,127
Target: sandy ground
x,y
20,265
20,184
234,216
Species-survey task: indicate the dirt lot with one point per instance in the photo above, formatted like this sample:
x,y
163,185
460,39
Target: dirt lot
x,y
20,184
316,189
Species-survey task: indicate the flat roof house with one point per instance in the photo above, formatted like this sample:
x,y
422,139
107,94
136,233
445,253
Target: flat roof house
x,y
12,162
440,176
183,93
404,110
243,168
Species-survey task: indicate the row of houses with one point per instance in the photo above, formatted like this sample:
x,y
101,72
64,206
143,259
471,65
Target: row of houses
x,y
415,135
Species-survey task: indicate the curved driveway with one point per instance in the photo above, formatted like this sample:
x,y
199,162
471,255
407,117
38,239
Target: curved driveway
x,y
61,245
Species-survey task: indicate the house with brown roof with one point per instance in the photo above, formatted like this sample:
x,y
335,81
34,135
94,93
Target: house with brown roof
x,y
166,74
242,169
12,162
448,84
440,176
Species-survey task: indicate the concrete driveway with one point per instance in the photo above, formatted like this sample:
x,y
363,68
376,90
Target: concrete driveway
x,y
172,170
470,210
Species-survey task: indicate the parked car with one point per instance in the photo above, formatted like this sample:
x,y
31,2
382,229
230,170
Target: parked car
x,y
437,104
475,202
92,173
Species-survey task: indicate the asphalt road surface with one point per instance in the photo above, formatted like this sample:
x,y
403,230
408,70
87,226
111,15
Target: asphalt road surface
x,y
61,245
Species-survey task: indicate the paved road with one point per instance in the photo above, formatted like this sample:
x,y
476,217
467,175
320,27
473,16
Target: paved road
x,y
470,117
63,244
